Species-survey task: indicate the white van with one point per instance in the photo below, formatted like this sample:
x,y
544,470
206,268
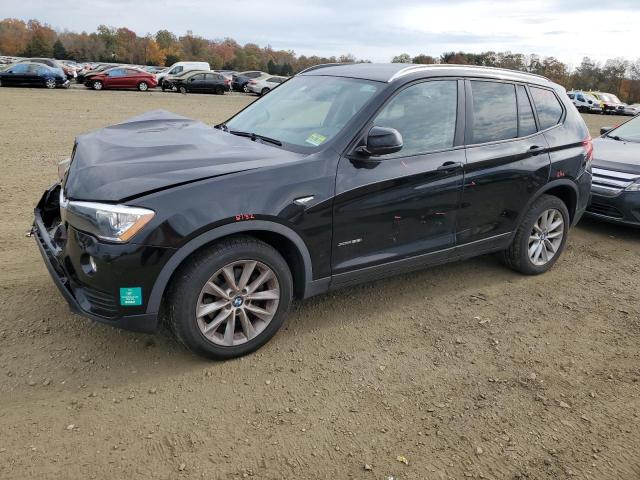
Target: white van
x,y
584,102
180,67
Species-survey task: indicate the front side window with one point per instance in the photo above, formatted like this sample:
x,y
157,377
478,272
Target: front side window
x,y
527,123
548,107
495,112
199,76
307,111
176,70
425,116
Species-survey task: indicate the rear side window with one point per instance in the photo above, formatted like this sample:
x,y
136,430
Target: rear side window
x,y
425,116
495,112
527,123
548,107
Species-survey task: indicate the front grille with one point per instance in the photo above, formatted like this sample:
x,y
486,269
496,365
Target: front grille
x,y
610,183
604,209
96,301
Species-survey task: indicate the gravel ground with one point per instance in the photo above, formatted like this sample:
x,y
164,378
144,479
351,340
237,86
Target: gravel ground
x,y
465,370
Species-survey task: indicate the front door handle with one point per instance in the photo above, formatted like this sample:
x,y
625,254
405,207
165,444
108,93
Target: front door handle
x,y
449,166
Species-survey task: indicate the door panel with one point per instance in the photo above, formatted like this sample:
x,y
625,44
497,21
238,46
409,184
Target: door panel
x,y
501,175
402,205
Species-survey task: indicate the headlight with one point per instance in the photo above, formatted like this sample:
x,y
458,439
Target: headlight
x,y
634,187
114,223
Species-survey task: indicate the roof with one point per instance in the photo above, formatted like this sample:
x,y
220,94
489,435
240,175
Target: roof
x,y
388,72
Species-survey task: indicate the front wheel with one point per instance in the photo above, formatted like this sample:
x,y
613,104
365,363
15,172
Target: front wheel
x,y
540,238
143,86
264,91
230,299
219,90
97,85
245,89
182,89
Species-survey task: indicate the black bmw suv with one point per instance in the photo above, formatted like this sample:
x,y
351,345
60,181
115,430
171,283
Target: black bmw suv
x,y
345,173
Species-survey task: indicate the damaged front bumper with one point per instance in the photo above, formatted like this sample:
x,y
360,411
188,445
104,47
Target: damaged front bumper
x,y
97,294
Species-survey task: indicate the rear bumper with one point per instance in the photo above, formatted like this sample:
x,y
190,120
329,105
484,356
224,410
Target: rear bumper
x,y
97,297
623,209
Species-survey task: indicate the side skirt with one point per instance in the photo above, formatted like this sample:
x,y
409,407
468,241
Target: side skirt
x,y
376,272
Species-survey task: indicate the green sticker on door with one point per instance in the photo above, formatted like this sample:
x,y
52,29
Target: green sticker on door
x,y
131,296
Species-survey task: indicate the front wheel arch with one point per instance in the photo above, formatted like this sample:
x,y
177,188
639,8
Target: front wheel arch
x,y
286,241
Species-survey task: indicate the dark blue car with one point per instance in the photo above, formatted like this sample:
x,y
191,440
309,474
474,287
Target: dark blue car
x,y
32,75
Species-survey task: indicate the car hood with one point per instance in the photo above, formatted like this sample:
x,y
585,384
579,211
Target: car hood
x,y
158,150
616,155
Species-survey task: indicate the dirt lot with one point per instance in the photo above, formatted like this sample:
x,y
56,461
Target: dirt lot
x,y
466,370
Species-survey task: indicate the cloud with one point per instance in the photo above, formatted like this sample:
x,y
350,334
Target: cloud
x,y
368,29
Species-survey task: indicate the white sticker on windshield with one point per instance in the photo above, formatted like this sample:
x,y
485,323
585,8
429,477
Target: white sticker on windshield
x,y
315,139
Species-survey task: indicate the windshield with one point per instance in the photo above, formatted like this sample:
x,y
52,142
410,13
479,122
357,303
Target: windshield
x,y
629,131
608,97
305,111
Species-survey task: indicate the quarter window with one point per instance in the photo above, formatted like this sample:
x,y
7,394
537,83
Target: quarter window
x,y
527,123
495,112
548,107
425,116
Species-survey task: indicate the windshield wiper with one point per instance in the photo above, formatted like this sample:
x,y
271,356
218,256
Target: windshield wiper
x,y
254,136
222,126
616,137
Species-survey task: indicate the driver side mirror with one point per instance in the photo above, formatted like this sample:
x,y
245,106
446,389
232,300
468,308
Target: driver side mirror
x,y
604,130
381,141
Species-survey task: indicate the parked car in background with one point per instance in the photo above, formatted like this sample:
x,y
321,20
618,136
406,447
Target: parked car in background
x,y
615,192
122,78
180,67
49,62
341,175
632,109
27,74
83,75
610,104
240,80
264,85
168,82
584,102
202,82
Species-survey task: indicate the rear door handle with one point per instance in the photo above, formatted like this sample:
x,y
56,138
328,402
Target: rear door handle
x,y
449,166
536,149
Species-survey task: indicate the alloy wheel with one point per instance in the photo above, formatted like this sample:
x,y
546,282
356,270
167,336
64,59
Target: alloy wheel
x,y
237,303
546,237
143,86
50,83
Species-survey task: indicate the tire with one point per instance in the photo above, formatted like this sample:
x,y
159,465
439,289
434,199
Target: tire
x,y
50,83
245,88
518,255
0,82
219,90
162,87
264,91
189,291
97,85
143,86
182,89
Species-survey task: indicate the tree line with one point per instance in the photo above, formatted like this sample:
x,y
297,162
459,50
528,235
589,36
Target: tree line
x,y
122,45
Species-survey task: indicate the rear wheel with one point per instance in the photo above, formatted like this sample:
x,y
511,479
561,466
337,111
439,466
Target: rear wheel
x,y
245,88
540,238
230,299
50,83
97,85
143,86
264,91
219,90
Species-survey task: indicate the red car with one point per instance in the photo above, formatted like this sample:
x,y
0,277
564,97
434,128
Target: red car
x,y
122,77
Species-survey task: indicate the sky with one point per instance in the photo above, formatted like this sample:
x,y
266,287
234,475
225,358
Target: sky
x,y
373,30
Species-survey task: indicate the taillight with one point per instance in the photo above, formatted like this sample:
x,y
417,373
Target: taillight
x,y
252,82
587,143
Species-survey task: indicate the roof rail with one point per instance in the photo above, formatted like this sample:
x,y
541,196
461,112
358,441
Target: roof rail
x,y
321,65
416,68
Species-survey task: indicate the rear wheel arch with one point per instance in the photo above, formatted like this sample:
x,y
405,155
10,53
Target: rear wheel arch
x,y
287,242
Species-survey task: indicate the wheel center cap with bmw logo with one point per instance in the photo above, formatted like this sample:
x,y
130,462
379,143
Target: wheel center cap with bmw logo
x,y
237,302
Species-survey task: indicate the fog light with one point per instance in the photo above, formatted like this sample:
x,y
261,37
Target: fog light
x,y
88,263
